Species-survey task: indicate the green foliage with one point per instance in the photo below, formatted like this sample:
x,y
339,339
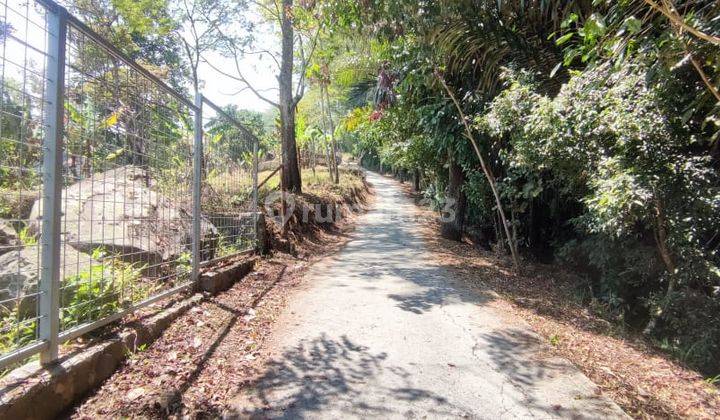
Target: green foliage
x,y
227,246
19,151
27,238
610,142
101,290
226,141
145,16
690,329
183,263
599,120
92,297
143,29
601,132
15,330
94,293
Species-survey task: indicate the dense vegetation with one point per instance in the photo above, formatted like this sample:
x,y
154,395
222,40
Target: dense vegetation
x,y
598,125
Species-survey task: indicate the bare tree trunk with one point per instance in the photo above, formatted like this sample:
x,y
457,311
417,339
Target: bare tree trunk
x,y
514,225
416,180
660,233
328,154
313,156
661,240
328,159
291,170
498,230
488,174
453,229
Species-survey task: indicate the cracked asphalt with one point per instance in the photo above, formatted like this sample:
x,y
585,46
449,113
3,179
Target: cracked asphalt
x,y
381,330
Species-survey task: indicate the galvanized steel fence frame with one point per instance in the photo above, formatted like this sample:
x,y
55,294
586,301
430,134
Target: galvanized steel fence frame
x,y
49,334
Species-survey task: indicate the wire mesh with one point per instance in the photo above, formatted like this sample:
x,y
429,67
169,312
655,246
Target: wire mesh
x,y
23,38
227,188
127,190
127,202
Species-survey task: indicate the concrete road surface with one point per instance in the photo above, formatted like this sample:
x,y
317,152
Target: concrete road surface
x,y
380,331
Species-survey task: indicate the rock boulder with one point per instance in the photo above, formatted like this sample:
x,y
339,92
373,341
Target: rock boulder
x,y
20,273
9,240
121,211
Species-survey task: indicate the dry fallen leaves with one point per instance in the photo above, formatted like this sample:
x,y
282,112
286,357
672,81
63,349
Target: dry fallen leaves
x,y
641,379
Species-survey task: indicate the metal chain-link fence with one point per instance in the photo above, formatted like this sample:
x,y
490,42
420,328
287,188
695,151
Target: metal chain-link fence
x,y
229,185
115,189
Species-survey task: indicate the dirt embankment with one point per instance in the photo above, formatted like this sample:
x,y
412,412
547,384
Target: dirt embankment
x,y
319,209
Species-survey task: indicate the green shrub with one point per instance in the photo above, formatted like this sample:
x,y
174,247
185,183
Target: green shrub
x,y
101,290
647,197
16,330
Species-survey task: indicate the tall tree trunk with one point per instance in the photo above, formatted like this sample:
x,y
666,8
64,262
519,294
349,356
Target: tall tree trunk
x,y
328,144
514,224
291,170
660,233
313,156
416,180
328,159
453,228
661,241
487,171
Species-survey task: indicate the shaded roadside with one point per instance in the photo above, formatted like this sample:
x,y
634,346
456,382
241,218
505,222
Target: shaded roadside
x,y
640,378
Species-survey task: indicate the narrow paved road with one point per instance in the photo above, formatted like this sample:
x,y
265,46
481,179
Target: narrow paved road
x,y
382,331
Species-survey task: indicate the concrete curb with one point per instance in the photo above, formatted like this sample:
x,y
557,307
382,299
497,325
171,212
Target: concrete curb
x,y
34,392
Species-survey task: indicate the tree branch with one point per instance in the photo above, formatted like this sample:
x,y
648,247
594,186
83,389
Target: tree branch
x,y
668,9
274,13
241,78
702,74
260,52
486,170
300,92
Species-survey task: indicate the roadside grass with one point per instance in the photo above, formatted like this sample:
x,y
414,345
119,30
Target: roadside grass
x,y
318,182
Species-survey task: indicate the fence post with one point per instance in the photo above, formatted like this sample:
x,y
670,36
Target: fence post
x,y
49,284
197,187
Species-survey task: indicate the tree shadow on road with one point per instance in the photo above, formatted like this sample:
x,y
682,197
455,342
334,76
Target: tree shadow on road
x,y
332,374
512,349
397,256
532,370
438,288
